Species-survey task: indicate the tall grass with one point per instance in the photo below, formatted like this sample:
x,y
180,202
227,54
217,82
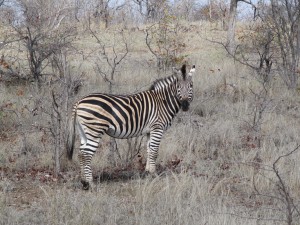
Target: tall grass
x,y
219,158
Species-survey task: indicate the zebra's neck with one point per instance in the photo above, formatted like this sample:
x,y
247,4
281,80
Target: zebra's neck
x,y
166,89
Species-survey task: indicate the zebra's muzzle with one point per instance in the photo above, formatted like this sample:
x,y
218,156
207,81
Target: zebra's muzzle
x,y
185,105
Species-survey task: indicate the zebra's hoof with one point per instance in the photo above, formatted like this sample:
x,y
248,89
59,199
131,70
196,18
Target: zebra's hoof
x,y
85,185
151,169
149,174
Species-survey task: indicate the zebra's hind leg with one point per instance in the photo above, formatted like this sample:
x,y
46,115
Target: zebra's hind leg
x,y
152,149
85,158
90,138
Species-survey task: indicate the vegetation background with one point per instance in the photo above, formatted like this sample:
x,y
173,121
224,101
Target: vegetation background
x,y
232,159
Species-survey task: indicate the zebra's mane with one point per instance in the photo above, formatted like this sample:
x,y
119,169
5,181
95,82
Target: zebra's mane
x,y
163,82
167,81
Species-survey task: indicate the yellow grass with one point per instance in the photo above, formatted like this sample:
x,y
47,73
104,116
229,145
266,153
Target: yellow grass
x,y
220,165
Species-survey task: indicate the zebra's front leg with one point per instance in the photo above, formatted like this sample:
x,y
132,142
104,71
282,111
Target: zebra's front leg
x,y
152,149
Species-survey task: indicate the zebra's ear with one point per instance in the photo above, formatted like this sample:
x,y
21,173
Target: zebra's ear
x,y
192,71
183,70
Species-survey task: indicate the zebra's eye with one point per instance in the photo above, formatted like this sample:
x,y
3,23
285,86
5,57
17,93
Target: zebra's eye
x,y
191,84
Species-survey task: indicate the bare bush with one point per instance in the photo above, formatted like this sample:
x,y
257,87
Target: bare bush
x,y
53,101
285,20
164,42
42,32
273,41
109,57
280,193
62,90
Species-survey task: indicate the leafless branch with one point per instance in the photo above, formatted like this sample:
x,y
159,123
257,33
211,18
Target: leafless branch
x,y
148,40
114,61
283,189
283,156
284,194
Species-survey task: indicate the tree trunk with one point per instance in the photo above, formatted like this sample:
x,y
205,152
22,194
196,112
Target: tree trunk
x,y
231,27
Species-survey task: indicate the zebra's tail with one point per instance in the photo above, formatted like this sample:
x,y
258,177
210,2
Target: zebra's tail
x,y
71,135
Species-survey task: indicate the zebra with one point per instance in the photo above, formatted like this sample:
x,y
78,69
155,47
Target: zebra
x,y
124,116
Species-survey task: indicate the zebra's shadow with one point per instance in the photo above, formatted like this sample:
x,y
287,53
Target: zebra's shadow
x,y
117,175
110,175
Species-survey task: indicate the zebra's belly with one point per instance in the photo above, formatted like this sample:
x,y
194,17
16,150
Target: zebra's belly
x,y
127,134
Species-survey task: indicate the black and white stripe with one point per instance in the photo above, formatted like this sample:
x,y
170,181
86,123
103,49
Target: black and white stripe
x,y
149,112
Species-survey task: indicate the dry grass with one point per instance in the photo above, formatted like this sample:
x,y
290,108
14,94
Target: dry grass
x,y
209,160
170,199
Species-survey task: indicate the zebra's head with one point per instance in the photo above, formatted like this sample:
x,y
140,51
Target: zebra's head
x,y
185,86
